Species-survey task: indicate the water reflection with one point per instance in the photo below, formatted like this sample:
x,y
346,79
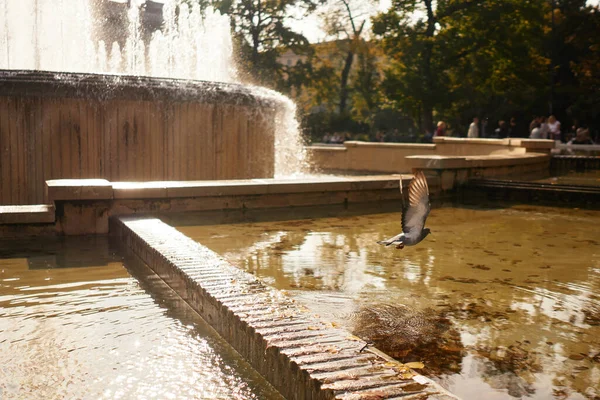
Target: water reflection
x,y
519,284
72,331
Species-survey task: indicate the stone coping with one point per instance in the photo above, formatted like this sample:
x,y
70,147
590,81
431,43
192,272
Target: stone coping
x,y
27,214
100,189
460,140
420,146
514,142
105,87
301,355
351,143
489,161
541,144
78,189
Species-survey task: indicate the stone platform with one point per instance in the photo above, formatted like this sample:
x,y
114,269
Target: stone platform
x,y
301,355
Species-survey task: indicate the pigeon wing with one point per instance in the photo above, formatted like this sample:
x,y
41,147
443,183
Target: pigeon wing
x,y
416,211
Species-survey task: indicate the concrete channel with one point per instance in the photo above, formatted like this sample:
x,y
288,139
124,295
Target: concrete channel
x,y
301,355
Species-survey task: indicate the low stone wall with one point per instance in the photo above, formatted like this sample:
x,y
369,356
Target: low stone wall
x,y
391,157
300,355
84,206
448,172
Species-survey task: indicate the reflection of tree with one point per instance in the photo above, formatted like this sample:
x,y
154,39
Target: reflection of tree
x,y
510,368
412,335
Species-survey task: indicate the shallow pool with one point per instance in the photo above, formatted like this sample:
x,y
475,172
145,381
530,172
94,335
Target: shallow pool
x,y
77,321
520,285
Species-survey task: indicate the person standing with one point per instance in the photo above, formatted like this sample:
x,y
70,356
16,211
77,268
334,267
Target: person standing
x,y
554,128
474,129
441,129
536,131
502,131
535,123
543,128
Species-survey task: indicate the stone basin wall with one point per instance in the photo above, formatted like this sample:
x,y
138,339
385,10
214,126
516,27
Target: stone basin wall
x,y
123,128
392,158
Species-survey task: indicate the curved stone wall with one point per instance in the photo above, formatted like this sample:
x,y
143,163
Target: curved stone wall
x,y
125,128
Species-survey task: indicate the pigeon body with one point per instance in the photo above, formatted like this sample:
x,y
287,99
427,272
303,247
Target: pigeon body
x,y
414,214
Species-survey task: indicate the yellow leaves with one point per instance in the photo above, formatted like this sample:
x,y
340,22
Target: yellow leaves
x,y
415,365
405,371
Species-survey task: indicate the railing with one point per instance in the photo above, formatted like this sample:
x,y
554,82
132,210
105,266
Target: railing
x,y
563,164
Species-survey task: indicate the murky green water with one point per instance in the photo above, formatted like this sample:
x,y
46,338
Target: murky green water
x,y
79,322
520,285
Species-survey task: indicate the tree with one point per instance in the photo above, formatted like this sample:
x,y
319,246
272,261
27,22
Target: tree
x,y
575,42
261,34
367,99
345,20
461,53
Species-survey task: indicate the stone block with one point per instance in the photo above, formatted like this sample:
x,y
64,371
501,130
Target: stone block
x,y
300,355
78,189
83,218
27,214
448,180
140,190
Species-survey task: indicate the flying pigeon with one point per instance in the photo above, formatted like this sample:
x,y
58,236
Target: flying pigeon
x,y
413,215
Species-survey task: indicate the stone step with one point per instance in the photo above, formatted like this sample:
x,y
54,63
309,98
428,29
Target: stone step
x,y
27,214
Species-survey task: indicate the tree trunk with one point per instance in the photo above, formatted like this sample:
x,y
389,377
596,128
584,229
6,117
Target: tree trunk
x,y
427,124
427,73
344,81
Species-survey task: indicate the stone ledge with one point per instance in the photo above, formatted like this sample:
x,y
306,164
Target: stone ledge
x,y
78,189
299,354
489,161
459,140
67,189
27,214
390,145
534,144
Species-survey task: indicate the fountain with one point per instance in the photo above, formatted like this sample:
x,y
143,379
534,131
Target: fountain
x,y
87,101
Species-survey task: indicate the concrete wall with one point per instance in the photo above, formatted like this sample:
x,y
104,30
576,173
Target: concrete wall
x,y
127,131
391,157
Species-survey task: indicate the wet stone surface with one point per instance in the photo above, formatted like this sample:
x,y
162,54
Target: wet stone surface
x,y
302,360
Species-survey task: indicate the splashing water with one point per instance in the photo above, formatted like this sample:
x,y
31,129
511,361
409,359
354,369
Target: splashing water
x,y
81,36
63,35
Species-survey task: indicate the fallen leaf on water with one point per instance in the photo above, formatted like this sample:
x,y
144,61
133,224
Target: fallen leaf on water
x,y
415,365
407,375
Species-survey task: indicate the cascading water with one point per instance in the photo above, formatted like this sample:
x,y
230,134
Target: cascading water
x,y
71,36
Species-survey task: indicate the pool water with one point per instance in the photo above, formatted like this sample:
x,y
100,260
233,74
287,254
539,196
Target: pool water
x,y
587,178
77,321
519,284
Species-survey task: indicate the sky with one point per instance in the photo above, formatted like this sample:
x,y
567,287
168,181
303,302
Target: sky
x,y
311,26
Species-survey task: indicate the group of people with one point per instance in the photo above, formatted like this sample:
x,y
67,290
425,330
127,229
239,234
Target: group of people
x,y
477,129
542,128
336,138
539,128
545,128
